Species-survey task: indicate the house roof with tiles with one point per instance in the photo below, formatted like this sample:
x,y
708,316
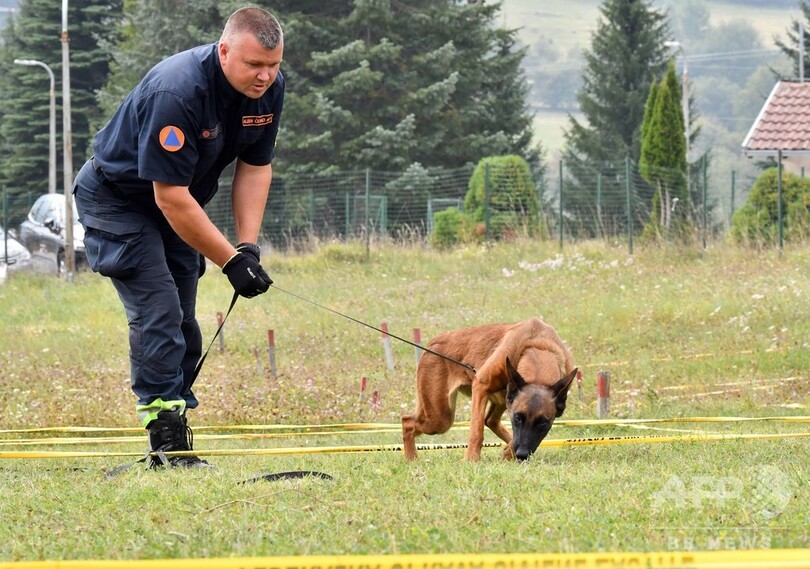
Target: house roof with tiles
x,y
783,123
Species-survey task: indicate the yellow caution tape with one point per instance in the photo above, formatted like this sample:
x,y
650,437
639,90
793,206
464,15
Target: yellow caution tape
x,y
50,441
314,429
720,419
737,559
628,423
591,441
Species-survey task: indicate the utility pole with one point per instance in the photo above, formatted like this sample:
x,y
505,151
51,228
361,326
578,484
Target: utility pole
x,y
67,140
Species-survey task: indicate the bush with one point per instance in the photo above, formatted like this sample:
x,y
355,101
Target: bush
x,y
758,220
447,228
513,203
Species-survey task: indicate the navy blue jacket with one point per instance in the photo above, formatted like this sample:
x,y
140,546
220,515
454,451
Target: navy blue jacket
x,y
183,124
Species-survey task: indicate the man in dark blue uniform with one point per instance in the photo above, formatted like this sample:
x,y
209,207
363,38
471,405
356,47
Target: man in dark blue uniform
x,y
141,197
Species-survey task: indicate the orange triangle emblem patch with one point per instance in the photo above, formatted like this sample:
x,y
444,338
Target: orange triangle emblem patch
x,y
172,138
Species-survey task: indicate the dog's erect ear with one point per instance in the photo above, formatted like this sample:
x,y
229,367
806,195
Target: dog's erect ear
x,y
515,381
560,391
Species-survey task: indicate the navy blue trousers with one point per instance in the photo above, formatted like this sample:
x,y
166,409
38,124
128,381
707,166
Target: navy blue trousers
x,y
155,273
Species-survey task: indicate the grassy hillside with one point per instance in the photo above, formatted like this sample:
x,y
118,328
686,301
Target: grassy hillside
x,y
571,22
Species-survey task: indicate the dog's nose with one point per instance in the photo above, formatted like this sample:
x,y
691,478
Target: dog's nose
x,y
522,455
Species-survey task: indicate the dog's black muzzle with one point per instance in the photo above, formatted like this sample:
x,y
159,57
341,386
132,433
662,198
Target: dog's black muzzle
x,y
525,441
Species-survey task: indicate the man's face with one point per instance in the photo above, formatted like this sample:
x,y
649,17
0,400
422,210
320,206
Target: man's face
x,y
249,67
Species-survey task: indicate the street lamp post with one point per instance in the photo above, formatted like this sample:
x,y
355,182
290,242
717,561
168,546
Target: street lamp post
x,y
52,139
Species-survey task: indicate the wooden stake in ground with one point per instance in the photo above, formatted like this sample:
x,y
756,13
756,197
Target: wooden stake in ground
x,y
417,339
389,354
271,351
602,394
221,332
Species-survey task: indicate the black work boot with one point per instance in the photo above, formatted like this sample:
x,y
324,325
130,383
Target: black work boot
x,y
170,432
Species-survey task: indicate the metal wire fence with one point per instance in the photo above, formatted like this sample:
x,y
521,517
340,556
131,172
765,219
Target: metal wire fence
x,y
610,200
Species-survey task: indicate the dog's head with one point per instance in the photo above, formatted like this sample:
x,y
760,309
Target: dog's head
x,y
533,409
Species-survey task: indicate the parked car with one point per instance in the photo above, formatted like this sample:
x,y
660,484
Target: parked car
x,y
43,233
13,255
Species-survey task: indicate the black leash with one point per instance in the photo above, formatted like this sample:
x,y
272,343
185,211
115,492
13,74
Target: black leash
x,y
448,358
201,361
199,365
295,474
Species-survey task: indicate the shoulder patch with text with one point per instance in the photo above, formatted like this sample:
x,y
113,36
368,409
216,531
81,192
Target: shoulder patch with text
x,y
257,120
172,138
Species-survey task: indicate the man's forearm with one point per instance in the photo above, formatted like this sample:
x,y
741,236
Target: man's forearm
x,y
251,186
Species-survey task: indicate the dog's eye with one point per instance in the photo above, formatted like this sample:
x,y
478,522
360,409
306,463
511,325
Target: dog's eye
x,y
519,418
542,423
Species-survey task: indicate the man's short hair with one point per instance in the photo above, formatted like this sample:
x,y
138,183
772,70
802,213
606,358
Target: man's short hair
x,y
262,24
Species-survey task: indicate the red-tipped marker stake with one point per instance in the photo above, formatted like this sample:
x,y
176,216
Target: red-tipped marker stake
x,y
389,355
363,384
221,332
258,361
271,351
602,394
417,339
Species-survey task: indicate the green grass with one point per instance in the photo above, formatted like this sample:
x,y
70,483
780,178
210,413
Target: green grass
x,y
683,334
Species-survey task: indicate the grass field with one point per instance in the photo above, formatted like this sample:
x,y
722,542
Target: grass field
x,y
682,334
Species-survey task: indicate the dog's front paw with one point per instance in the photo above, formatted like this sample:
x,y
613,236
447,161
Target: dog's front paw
x,y
472,455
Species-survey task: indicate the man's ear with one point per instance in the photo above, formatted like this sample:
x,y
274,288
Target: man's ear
x,y
560,391
515,381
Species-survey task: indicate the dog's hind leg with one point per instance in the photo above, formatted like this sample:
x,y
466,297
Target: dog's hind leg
x,y
431,418
409,436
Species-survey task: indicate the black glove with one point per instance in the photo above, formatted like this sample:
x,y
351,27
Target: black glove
x,y
250,248
247,276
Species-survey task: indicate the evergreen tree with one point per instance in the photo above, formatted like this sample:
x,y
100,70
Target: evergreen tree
x,y
663,156
384,85
791,47
35,33
649,110
626,56
151,30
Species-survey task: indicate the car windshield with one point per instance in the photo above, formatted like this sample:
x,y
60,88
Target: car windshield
x,y
57,209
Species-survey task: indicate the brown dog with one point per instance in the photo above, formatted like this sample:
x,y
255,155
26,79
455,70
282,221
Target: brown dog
x,y
532,391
